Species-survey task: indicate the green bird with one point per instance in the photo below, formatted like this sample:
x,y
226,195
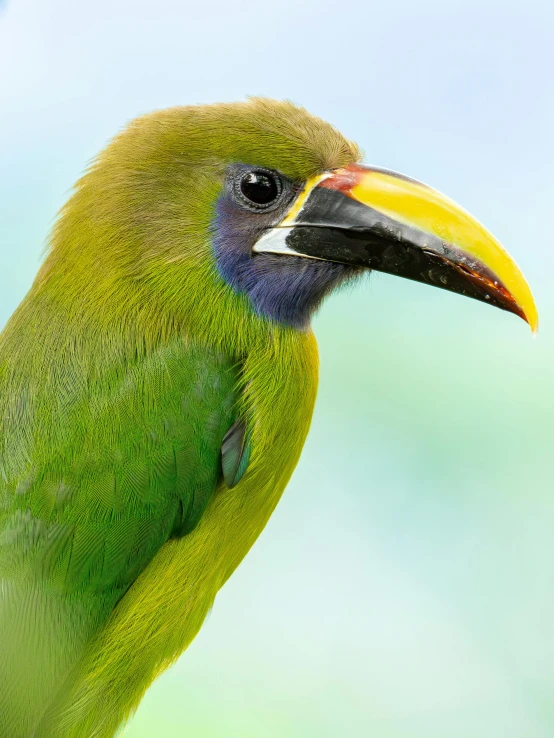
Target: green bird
x,y
158,380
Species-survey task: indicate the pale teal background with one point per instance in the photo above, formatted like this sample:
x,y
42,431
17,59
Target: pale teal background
x,y
405,586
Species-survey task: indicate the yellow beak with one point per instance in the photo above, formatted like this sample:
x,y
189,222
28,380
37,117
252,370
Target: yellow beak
x,y
385,221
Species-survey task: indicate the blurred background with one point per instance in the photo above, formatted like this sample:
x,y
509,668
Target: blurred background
x,y
404,588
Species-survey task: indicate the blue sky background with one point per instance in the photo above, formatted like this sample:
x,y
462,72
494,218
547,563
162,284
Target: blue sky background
x,y
404,587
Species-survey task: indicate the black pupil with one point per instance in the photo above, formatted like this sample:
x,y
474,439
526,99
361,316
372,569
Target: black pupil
x,y
259,187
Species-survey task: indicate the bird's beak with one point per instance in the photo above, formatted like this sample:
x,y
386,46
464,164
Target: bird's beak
x,y
384,221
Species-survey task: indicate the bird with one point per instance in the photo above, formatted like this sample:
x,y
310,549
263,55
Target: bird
x,y
157,383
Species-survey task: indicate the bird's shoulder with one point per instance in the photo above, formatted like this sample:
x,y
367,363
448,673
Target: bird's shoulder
x,y
97,474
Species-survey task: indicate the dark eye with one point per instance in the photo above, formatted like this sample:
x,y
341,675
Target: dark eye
x,y
260,188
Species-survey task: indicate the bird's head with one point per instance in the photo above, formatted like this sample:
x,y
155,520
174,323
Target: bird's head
x,y
248,214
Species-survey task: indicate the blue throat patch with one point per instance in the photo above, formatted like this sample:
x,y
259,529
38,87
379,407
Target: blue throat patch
x,y
287,289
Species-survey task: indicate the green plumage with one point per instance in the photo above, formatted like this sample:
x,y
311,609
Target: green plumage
x,y
120,375
83,515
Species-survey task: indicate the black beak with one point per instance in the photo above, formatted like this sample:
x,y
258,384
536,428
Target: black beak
x,y
384,221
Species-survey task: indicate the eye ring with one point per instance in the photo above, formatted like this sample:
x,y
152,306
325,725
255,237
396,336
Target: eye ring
x,y
258,189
